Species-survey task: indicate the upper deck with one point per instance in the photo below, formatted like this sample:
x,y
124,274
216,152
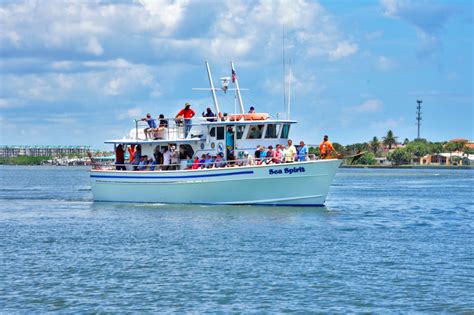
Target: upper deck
x,y
202,129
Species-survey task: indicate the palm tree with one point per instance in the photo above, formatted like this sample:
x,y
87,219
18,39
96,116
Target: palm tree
x,y
406,141
389,139
375,145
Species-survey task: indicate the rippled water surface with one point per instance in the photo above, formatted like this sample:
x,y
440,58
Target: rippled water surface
x,y
388,241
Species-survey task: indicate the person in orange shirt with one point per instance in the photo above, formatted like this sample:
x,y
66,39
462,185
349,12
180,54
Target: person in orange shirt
x,y
326,148
187,114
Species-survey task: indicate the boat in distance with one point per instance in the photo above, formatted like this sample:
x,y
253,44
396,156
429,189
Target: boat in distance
x,y
227,174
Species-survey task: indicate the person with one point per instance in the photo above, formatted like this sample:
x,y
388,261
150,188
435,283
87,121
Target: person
x,y
166,159
119,158
131,152
219,161
151,126
143,163
326,148
202,161
229,136
249,160
210,116
163,121
302,152
174,157
282,153
263,155
189,162
195,165
277,154
290,153
187,114
257,153
252,110
158,157
209,162
270,155
137,157
254,133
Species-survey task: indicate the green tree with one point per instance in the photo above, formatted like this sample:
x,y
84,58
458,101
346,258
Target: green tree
x,y
367,159
399,156
375,145
390,139
406,141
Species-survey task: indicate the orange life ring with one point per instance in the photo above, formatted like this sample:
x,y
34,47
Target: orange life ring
x,y
254,116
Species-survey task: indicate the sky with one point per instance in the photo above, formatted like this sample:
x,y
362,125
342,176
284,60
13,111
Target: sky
x,y
80,72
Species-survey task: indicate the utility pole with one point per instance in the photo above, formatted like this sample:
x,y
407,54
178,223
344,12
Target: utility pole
x,y
418,116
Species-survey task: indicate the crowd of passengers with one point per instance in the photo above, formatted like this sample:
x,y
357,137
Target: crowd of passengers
x,y
169,158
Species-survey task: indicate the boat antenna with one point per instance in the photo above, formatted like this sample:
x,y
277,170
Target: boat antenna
x,y
237,88
213,90
284,64
290,74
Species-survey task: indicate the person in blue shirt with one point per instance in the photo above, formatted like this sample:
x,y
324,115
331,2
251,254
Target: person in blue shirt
x,y
303,152
151,126
209,162
229,140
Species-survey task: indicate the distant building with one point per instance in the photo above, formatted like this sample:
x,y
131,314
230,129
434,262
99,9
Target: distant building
x,y
455,158
39,150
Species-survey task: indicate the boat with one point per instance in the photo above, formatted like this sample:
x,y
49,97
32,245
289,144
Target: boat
x,y
238,179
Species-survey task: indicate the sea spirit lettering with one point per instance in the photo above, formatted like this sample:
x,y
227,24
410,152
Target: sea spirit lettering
x,y
287,170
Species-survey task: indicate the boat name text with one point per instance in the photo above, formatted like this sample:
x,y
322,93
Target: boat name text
x,y
286,170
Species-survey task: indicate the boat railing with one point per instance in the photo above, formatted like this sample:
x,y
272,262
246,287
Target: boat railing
x,y
188,164
173,129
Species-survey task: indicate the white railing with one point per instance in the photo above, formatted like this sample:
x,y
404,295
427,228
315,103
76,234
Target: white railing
x,y
188,164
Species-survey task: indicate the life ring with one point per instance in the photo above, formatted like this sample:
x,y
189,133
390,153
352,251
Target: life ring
x,y
253,116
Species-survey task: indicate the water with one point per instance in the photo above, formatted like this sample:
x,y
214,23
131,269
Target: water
x,y
388,241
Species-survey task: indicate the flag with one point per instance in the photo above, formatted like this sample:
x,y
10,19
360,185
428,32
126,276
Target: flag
x,y
233,76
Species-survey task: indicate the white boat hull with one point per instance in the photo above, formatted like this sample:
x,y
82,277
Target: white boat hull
x,y
292,184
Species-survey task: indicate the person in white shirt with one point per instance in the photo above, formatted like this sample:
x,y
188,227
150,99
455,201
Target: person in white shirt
x,y
166,159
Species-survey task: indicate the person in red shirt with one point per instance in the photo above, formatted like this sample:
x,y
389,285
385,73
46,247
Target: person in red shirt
x,y
119,158
187,115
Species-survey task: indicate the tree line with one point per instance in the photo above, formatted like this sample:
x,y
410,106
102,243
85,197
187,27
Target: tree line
x,y
400,155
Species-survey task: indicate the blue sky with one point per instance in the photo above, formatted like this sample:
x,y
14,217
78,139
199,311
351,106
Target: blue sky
x,y
78,73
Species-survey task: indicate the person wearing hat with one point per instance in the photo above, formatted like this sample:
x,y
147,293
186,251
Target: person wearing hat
x,y
187,114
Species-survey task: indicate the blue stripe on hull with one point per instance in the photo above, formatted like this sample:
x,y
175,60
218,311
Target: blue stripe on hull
x,y
219,204
173,177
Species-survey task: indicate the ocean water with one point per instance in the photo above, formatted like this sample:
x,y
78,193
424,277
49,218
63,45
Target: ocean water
x,y
388,241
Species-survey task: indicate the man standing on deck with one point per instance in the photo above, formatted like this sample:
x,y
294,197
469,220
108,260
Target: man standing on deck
x,y
325,148
303,152
290,153
187,114
119,158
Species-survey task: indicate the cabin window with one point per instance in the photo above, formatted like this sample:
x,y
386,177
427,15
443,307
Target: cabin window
x,y
285,131
272,131
212,133
240,131
255,132
220,133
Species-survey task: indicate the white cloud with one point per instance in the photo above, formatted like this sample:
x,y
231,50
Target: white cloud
x,y
132,113
369,106
343,49
384,63
94,47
